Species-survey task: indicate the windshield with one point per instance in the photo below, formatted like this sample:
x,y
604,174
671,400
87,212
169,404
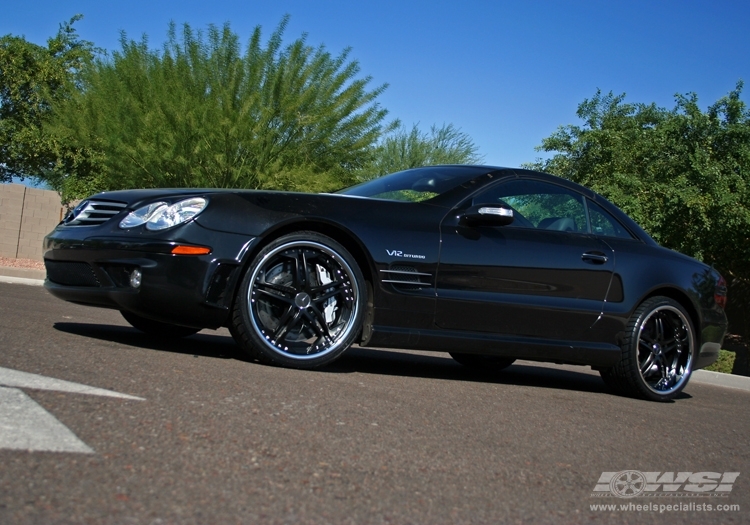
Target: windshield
x,y
415,185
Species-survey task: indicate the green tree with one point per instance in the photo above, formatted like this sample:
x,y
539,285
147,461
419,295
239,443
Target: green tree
x,y
403,149
683,174
32,79
200,113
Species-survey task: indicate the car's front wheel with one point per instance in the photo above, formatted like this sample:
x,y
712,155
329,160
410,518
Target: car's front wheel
x,y
657,352
157,328
301,302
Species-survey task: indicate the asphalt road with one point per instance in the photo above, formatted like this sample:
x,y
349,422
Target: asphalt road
x,y
380,437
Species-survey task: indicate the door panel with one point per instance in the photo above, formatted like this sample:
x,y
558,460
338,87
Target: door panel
x,y
527,279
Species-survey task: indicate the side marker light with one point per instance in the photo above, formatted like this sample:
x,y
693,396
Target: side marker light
x,y
190,250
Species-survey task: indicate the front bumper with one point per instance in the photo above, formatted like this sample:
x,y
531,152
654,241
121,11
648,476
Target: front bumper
x,y
187,290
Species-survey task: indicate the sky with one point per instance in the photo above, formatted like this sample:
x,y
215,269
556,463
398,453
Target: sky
x,y
507,74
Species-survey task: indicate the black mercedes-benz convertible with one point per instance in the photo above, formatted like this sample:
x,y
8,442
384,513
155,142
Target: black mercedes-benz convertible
x,y
489,264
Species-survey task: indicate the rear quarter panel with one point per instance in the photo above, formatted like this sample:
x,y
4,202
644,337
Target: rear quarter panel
x,y
643,270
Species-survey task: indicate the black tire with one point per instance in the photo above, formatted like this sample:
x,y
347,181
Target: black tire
x,y
657,352
301,303
490,363
156,328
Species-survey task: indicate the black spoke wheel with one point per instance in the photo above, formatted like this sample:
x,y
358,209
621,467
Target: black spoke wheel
x,y
301,302
657,353
157,328
488,363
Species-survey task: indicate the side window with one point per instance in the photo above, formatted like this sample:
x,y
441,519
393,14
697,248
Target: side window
x,y
602,223
538,205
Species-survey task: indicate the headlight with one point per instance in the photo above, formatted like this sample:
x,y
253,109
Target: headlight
x,y
141,215
160,215
169,216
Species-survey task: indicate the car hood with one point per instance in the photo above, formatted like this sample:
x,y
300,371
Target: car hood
x,y
134,198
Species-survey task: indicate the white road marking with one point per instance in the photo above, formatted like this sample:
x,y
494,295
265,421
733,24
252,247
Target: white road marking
x,y
14,378
25,425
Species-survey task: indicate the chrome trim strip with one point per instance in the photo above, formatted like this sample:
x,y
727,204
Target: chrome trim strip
x,y
411,283
401,272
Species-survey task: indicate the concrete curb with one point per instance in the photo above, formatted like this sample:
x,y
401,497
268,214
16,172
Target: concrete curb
x,y
25,273
30,276
708,377
21,280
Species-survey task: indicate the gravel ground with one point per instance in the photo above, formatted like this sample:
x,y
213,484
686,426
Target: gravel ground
x,y
21,263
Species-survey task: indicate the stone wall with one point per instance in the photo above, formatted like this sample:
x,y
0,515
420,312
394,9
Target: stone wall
x,y
26,216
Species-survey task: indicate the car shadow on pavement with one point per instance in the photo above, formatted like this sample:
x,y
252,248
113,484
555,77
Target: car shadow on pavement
x,y
203,344
442,366
406,363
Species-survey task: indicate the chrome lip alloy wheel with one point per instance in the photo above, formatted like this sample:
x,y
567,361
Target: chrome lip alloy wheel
x,y
303,300
665,349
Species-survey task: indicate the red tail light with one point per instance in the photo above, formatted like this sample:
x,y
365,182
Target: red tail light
x,y
720,293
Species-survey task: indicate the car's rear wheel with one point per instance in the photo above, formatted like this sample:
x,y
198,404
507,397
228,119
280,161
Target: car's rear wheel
x,y
157,328
483,362
657,352
301,302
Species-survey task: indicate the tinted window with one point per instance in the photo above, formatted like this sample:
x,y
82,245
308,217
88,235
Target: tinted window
x,y
602,223
539,205
416,185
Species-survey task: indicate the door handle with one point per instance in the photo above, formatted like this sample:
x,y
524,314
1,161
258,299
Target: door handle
x,y
594,257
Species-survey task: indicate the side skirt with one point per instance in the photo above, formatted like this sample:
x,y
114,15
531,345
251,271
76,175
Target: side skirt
x,y
563,352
